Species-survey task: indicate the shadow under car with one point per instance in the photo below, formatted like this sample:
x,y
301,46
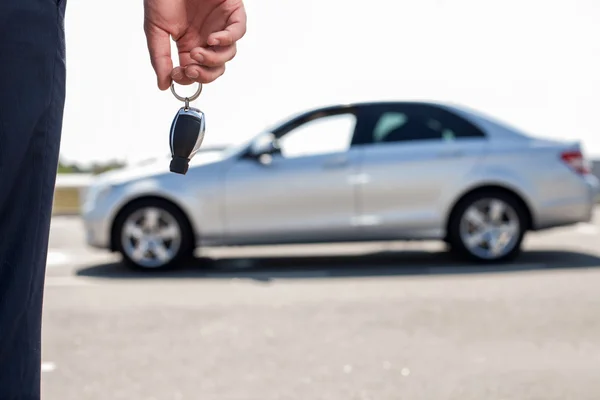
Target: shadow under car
x,y
383,263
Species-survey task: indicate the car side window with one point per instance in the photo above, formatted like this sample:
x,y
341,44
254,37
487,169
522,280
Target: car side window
x,y
412,124
387,123
324,135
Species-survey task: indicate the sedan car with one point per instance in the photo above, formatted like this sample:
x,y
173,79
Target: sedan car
x,y
348,173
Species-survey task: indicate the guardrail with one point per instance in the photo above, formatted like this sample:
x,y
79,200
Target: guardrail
x,y
71,188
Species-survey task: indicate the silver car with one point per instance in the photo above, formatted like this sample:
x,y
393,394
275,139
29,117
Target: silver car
x,y
358,172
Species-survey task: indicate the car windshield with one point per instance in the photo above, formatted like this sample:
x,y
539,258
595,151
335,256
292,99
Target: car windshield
x,y
203,154
234,149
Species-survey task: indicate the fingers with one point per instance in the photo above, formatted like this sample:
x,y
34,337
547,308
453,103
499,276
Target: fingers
x,y
214,56
197,73
159,48
234,31
206,64
180,77
178,73
204,74
203,65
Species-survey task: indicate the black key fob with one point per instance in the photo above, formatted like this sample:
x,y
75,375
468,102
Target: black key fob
x,y
187,133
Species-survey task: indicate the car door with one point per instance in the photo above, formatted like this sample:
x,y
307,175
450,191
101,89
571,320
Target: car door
x,y
415,158
303,194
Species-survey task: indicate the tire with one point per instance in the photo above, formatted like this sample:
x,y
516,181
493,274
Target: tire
x,y
509,229
171,235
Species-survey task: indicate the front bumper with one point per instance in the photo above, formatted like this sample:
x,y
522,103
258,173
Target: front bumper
x,y
97,231
97,214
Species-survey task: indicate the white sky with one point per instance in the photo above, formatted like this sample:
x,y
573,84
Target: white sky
x,y
532,63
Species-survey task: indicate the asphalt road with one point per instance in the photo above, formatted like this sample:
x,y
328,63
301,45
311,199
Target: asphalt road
x,y
376,321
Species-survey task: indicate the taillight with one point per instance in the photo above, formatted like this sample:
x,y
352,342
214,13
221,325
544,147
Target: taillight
x,y
575,160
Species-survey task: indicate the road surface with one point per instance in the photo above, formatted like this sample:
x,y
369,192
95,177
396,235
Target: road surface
x,y
377,321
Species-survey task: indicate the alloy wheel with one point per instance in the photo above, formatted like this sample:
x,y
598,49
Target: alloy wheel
x,y
151,237
490,228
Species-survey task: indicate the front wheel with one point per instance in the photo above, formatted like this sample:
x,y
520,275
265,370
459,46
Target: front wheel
x,y
488,227
153,235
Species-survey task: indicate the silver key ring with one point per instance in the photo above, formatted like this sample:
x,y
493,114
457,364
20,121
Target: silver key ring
x,y
187,100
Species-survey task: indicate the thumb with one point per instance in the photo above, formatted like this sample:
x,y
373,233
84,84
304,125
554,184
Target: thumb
x,y
159,47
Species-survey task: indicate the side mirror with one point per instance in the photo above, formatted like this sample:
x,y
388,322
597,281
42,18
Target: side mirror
x,y
264,145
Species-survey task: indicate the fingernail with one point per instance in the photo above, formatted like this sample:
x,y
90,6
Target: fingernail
x,y
191,73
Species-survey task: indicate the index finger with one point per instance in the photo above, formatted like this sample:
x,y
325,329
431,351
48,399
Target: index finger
x,y
234,31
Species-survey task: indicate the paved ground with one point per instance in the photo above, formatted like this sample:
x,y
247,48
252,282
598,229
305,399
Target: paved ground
x,y
389,322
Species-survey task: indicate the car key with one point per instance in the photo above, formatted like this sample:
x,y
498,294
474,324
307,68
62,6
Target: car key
x,y
187,133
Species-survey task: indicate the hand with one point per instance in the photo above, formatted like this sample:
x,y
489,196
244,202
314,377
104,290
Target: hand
x,y
206,32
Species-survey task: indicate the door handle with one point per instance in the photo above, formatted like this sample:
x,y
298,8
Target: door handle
x,y
450,154
336,162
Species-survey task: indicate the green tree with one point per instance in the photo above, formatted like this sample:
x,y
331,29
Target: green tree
x,y
95,168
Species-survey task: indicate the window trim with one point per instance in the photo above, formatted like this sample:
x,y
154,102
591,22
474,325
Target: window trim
x,y
357,110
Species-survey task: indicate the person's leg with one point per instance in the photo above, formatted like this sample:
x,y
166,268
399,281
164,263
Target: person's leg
x,y
32,92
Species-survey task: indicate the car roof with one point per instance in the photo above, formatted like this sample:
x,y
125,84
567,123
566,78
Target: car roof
x,y
493,126
361,104
293,119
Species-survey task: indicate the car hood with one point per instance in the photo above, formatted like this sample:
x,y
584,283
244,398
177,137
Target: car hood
x,y
153,168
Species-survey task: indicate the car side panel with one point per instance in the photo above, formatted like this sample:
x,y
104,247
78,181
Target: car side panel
x,y
555,195
198,193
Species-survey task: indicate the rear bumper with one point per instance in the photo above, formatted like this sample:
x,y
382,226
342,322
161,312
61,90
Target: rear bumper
x,y
595,189
573,207
593,185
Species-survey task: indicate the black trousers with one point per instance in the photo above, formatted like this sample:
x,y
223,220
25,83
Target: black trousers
x,y
32,95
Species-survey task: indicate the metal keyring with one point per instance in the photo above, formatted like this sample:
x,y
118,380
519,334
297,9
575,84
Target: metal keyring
x,y
186,99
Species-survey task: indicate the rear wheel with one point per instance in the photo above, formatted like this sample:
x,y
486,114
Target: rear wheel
x,y
488,227
153,234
